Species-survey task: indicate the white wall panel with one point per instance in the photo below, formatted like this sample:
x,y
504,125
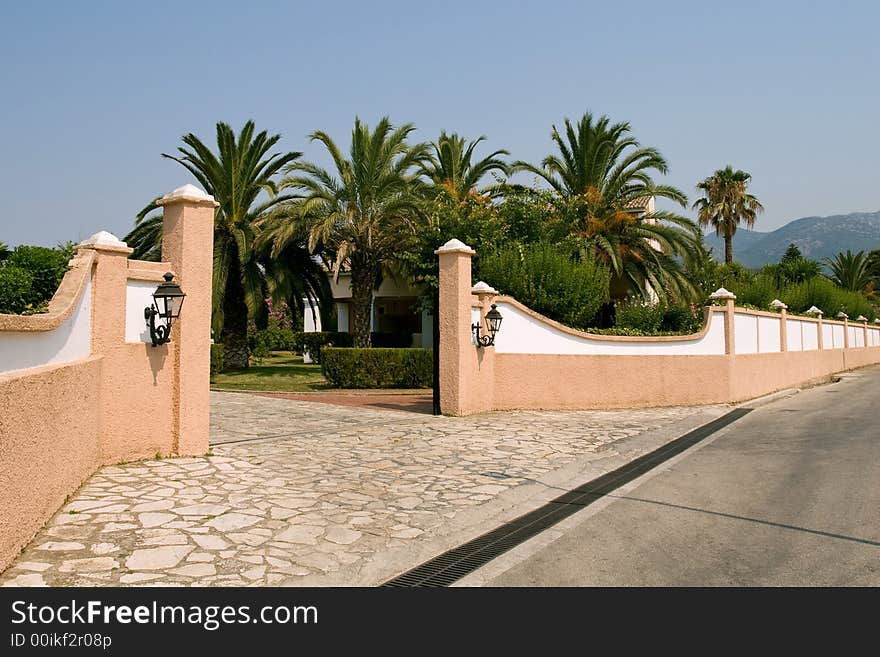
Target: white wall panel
x,y
72,340
523,334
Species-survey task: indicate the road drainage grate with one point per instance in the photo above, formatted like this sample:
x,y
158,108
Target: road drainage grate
x,y
451,566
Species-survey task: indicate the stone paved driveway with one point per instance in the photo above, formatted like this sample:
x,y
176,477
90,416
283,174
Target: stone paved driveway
x,y
298,492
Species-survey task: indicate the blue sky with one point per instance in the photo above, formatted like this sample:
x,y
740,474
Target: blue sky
x,y
93,92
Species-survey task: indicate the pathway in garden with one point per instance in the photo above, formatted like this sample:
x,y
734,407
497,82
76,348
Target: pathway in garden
x,y
304,493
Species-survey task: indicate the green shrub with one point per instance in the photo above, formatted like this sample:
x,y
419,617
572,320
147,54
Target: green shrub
x,y
15,290
277,338
259,346
622,330
46,266
377,367
758,292
683,320
817,291
216,359
828,297
547,280
641,316
313,342
656,319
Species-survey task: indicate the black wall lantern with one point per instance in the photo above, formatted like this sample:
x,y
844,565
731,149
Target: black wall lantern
x,y
493,323
167,301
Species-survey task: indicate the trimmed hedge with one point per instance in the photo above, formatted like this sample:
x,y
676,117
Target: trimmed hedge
x,y
377,367
313,342
216,359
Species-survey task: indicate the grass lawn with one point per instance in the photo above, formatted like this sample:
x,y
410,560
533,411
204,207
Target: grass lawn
x,y
282,371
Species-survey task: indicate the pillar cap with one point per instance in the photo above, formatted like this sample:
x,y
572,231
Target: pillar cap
x,y
842,315
812,310
483,288
721,293
776,303
455,246
105,241
861,318
189,193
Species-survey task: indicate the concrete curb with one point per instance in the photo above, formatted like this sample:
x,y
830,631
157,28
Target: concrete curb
x,y
769,399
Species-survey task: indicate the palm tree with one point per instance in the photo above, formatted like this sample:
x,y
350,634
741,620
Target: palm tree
x,y
850,271
364,212
292,273
874,266
235,177
146,236
452,167
725,203
602,177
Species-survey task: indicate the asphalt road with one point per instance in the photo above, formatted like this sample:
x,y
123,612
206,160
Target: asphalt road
x,y
787,495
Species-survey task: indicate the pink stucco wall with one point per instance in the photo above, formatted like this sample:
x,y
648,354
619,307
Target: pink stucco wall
x,y
125,401
50,426
531,376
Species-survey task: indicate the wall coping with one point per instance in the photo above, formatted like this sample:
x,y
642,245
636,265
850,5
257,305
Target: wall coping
x,y
791,316
104,241
6,377
63,302
770,313
455,246
187,193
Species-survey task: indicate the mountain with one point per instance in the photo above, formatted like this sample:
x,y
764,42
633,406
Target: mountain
x,y
816,237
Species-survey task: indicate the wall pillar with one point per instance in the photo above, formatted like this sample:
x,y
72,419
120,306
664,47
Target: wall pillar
x,y
465,383
820,342
729,318
845,318
109,278
783,324
783,330
187,243
108,287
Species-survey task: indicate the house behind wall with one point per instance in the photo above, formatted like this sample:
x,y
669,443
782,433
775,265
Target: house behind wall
x,y
395,310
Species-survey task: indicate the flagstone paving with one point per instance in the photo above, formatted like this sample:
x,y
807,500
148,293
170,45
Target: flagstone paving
x,y
295,492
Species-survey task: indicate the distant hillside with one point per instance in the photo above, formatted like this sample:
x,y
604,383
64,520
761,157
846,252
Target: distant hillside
x,y
816,237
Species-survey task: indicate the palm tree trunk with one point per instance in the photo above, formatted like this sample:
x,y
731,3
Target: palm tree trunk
x,y
235,317
362,284
728,249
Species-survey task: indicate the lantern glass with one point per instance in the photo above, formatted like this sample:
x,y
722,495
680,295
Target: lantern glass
x,y
493,320
173,305
168,298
